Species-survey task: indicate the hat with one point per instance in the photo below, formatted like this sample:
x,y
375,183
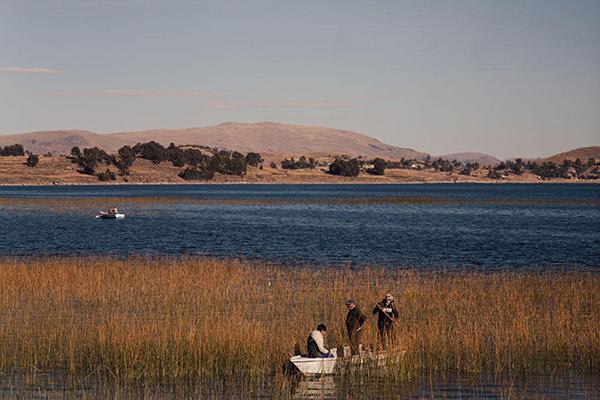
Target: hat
x,y
350,301
389,297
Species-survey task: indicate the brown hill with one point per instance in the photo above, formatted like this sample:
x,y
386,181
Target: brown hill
x,y
583,153
481,158
62,141
274,138
265,137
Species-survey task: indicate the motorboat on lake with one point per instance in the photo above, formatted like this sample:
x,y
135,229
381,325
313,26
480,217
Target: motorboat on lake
x,y
111,213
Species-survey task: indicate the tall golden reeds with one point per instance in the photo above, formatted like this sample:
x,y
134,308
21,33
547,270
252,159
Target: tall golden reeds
x,y
166,320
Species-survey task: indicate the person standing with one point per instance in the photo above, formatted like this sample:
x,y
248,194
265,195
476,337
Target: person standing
x,y
355,321
387,314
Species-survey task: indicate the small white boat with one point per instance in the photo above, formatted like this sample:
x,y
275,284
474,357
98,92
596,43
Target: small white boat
x,y
315,366
109,215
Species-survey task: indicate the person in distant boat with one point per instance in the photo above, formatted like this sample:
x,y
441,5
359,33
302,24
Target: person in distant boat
x,y
316,343
387,314
355,320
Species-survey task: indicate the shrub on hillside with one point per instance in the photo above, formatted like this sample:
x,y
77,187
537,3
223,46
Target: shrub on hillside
x,y
195,157
32,160
125,159
76,152
253,159
12,150
175,155
344,167
379,165
152,151
302,163
107,175
193,173
92,158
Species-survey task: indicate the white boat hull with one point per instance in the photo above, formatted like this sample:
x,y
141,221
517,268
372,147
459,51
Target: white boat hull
x,y
315,366
111,216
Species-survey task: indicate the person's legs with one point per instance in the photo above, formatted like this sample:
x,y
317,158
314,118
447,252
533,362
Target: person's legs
x,y
389,334
354,342
381,337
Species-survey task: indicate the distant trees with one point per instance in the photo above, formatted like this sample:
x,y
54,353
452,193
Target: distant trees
x,y
443,165
302,163
76,152
107,175
91,158
126,158
32,160
176,155
253,159
193,173
12,150
469,168
152,151
379,165
343,167
195,157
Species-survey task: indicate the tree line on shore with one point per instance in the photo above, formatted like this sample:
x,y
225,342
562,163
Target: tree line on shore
x,y
202,163
199,165
17,150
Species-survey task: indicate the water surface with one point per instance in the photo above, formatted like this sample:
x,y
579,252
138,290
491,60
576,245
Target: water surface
x,y
444,225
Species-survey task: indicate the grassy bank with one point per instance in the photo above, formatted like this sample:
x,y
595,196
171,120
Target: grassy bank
x,y
169,320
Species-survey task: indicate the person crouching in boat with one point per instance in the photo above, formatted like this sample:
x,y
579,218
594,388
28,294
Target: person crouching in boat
x,y
387,314
316,343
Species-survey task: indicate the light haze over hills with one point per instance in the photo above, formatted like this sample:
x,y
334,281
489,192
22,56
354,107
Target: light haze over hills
x,y
263,137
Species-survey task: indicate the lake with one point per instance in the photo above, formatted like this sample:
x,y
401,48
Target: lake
x,y
486,226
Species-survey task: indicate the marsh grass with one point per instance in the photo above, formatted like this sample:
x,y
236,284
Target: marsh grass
x,y
169,320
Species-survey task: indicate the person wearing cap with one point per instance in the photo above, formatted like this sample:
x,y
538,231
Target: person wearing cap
x,y
316,343
355,320
387,314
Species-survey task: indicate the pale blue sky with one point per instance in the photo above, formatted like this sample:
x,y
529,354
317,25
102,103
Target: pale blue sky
x,y
510,78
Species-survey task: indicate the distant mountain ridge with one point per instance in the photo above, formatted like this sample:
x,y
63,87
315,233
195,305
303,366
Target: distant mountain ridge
x,y
480,158
583,153
264,137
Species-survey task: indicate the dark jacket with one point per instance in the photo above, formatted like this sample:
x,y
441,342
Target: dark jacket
x,y
385,314
313,348
354,320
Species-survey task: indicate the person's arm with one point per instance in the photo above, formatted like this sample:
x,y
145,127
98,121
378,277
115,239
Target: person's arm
x,y
376,309
361,320
395,311
320,343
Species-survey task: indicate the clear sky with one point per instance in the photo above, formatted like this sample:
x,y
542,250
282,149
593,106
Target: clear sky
x,y
510,78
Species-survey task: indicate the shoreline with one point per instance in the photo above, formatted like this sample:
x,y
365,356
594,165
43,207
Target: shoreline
x,y
225,183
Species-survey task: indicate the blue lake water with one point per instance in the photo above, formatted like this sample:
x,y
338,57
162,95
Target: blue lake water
x,y
447,225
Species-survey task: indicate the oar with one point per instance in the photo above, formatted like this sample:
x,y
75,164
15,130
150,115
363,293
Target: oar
x,y
384,313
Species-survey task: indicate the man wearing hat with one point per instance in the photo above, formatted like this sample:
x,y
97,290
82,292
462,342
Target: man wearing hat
x,y
355,321
387,314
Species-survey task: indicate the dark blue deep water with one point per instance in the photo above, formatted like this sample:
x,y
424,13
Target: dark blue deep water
x,y
472,225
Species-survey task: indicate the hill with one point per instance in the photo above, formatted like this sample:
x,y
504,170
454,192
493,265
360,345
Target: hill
x,y
264,137
481,158
62,141
583,153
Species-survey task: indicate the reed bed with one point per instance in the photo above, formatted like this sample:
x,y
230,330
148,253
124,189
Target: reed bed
x,y
168,320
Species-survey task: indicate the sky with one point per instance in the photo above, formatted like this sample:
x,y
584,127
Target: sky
x,y
508,78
